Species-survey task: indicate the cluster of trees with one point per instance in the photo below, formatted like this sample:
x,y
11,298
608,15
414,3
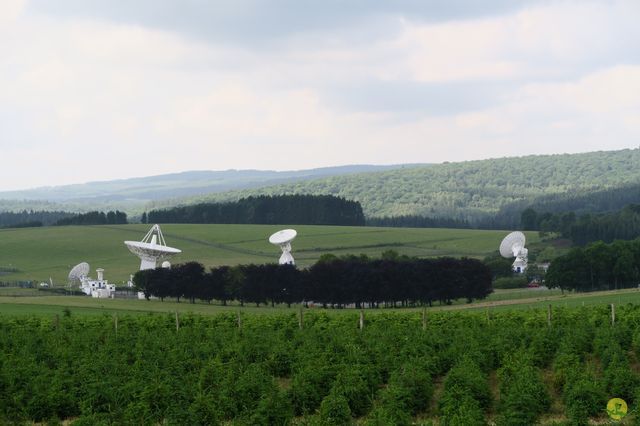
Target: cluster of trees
x,y
531,220
95,218
417,221
620,225
331,281
278,209
587,200
598,266
30,218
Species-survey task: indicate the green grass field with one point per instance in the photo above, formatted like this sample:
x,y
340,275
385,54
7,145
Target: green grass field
x,y
33,304
40,253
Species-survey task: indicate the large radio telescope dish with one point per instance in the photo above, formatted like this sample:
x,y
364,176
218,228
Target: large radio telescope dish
x,y
79,272
283,239
512,244
152,249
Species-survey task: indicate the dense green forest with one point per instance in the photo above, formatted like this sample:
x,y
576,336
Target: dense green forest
x,y
598,266
95,218
26,218
509,368
618,225
483,193
266,210
414,221
336,281
578,202
473,191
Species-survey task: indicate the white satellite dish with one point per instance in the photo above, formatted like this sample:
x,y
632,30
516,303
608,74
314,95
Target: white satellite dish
x,y
283,239
513,246
151,249
78,272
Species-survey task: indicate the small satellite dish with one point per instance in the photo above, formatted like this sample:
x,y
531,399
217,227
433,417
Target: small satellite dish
x,y
513,246
283,239
79,272
166,264
151,249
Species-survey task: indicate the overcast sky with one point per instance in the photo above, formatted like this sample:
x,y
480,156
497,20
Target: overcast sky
x,y
103,89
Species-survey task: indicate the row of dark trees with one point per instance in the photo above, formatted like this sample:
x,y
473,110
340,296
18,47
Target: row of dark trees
x,y
619,225
95,218
30,218
416,221
331,281
598,266
278,209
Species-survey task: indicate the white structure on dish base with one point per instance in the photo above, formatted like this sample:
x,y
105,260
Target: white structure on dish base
x,y
99,288
151,249
513,246
283,239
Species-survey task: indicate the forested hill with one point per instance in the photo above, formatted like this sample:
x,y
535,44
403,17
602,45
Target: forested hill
x,y
474,191
132,194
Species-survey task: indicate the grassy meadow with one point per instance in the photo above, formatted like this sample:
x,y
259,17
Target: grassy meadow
x,y
39,253
18,302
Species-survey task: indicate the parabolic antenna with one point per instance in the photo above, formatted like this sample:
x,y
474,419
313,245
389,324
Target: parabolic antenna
x,y
513,246
283,239
152,249
78,272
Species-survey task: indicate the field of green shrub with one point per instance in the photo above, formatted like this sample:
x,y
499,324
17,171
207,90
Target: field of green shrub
x,y
504,368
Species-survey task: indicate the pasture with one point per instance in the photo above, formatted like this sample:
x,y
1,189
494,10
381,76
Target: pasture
x,y
40,253
33,302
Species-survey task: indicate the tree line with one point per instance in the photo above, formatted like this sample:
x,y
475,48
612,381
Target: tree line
x,y
417,221
336,281
619,225
30,218
95,218
598,266
268,210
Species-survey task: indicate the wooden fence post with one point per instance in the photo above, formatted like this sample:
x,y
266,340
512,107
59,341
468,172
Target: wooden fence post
x,y
613,314
549,316
115,323
424,317
301,319
361,322
239,320
177,322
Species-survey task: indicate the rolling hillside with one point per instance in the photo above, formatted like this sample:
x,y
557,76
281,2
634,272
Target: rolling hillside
x,y
132,194
40,253
486,193
474,190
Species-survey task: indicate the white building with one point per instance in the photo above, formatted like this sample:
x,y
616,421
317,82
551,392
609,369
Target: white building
x,y
99,288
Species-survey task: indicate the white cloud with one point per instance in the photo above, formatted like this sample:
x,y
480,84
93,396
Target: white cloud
x,y
558,40
97,99
10,11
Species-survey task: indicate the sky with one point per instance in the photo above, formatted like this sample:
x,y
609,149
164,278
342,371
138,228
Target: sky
x,y
107,89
